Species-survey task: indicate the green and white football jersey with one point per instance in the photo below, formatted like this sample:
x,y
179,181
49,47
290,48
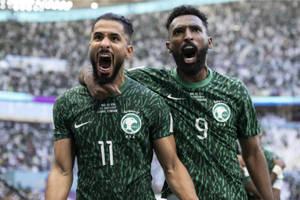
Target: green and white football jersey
x,y
209,117
113,139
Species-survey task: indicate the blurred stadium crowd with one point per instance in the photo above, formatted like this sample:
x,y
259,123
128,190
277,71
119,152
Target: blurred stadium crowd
x,y
256,42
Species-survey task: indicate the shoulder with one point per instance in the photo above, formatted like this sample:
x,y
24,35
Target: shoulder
x,y
136,87
154,71
230,84
228,79
70,96
140,92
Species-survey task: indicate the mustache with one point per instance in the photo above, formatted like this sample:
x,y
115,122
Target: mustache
x,y
189,44
100,51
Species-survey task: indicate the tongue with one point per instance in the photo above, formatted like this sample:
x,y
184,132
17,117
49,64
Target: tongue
x,y
190,60
189,54
104,63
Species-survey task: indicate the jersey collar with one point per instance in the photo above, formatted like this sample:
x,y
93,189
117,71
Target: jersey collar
x,y
195,84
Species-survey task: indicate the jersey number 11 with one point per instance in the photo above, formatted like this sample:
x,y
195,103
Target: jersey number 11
x,y
110,146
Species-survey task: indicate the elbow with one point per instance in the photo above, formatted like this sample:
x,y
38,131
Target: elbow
x,y
63,171
170,169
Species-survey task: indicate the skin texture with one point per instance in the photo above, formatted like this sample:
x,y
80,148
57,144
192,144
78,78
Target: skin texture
x,y
189,29
109,37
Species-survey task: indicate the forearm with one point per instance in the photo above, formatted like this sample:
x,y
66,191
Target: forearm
x,y
276,193
180,182
273,178
250,187
258,170
58,184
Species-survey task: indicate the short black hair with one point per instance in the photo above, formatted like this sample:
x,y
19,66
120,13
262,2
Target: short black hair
x,y
186,10
127,25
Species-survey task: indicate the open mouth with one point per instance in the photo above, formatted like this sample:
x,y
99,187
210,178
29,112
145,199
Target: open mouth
x,y
104,63
189,53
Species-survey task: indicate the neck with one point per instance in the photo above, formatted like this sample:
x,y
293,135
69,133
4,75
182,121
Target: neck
x,y
198,77
120,78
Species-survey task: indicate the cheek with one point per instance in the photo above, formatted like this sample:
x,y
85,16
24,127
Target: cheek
x,y
120,52
92,49
175,44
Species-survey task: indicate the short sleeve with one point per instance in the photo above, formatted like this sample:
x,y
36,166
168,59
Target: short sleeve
x,y
162,125
60,119
247,120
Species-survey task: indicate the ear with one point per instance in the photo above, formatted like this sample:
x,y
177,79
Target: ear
x,y
129,51
168,45
210,44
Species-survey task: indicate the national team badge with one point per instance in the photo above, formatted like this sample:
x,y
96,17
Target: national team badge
x,y
131,123
221,112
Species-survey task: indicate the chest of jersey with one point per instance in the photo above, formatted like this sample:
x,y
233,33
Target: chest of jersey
x,y
113,132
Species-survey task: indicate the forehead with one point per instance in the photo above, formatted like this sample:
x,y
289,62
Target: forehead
x,y
109,26
186,20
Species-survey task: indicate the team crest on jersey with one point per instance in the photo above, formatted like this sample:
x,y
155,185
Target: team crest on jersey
x,y
221,112
131,123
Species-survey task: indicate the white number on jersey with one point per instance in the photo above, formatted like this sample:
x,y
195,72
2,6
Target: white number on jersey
x,y
111,157
202,126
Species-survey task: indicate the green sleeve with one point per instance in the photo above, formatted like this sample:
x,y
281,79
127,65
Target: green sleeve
x,y
162,125
248,124
60,119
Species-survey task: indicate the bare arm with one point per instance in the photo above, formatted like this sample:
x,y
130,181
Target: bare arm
x,y
176,174
276,193
257,166
61,176
104,91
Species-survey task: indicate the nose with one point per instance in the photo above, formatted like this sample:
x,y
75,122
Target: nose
x,y
105,43
188,34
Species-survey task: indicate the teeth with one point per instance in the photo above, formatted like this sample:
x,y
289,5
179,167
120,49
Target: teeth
x,y
105,69
188,47
189,59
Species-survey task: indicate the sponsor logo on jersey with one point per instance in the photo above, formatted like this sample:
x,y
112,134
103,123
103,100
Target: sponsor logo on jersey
x,y
221,112
82,124
175,98
131,123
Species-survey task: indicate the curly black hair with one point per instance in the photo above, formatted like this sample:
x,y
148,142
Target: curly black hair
x,y
186,10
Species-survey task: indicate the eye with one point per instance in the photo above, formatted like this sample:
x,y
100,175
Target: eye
x,y
98,37
196,29
178,31
115,38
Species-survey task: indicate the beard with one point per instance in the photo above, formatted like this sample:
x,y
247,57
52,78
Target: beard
x,y
103,79
190,68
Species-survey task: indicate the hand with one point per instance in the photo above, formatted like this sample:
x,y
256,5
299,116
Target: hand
x,y
241,161
279,162
100,92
